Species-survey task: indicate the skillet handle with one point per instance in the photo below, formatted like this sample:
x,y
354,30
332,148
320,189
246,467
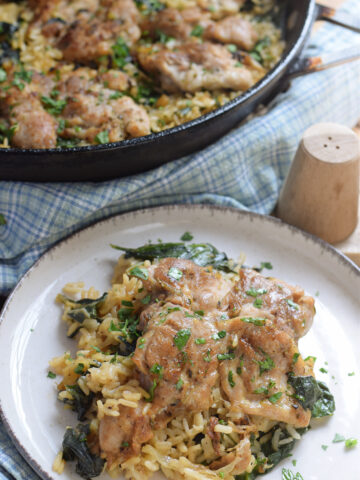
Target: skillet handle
x,y
339,18
304,66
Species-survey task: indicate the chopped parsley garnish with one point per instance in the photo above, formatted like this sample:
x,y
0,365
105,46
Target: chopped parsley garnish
x,y
259,322
239,368
197,31
181,338
294,462
121,53
200,313
141,343
79,368
265,365
351,374
292,304
274,398
265,390
351,443
114,358
52,106
146,299
151,392
258,303
310,358
232,48
97,349
175,273
139,272
51,374
127,303
207,356
323,370
295,358
179,384
162,37
231,379
102,137
3,75
186,237
324,447
266,265
125,445
200,341
287,474
157,370
226,356
219,335
221,474
338,438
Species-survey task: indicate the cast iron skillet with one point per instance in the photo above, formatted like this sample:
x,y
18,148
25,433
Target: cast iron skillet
x,y
102,162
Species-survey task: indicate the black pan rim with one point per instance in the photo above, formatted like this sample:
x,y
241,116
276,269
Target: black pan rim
x,y
277,71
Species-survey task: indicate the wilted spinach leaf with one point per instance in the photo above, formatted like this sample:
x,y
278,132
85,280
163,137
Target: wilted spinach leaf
x,y
75,447
313,395
81,402
203,254
88,308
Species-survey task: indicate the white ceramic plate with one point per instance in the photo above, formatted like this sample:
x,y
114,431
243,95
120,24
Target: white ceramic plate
x,y
31,331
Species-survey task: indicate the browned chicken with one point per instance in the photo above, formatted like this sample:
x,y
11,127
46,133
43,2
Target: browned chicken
x,y
121,437
262,359
234,30
78,105
197,332
33,126
286,306
92,36
194,66
195,23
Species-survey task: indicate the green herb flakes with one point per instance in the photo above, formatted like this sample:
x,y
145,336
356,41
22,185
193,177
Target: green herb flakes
x,y
265,365
338,438
351,374
323,370
79,369
146,299
259,322
51,374
52,106
295,358
125,445
179,384
292,304
175,273
200,341
102,137
258,303
219,335
351,443
3,75
157,370
207,356
197,31
2,219
139,272
151,392
275,398
97,349
287,474
199,313
141,343
181,338
225,356
127,303
186,237
231,379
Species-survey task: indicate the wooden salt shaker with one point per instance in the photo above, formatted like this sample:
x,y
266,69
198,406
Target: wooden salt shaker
x,y
321,192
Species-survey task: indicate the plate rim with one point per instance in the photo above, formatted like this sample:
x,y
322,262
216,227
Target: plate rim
x,y
133,213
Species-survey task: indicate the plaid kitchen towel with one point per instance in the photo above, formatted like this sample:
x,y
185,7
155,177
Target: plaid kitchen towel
x,y
245,169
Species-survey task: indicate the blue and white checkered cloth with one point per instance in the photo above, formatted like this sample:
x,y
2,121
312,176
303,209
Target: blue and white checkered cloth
x,y
245,169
